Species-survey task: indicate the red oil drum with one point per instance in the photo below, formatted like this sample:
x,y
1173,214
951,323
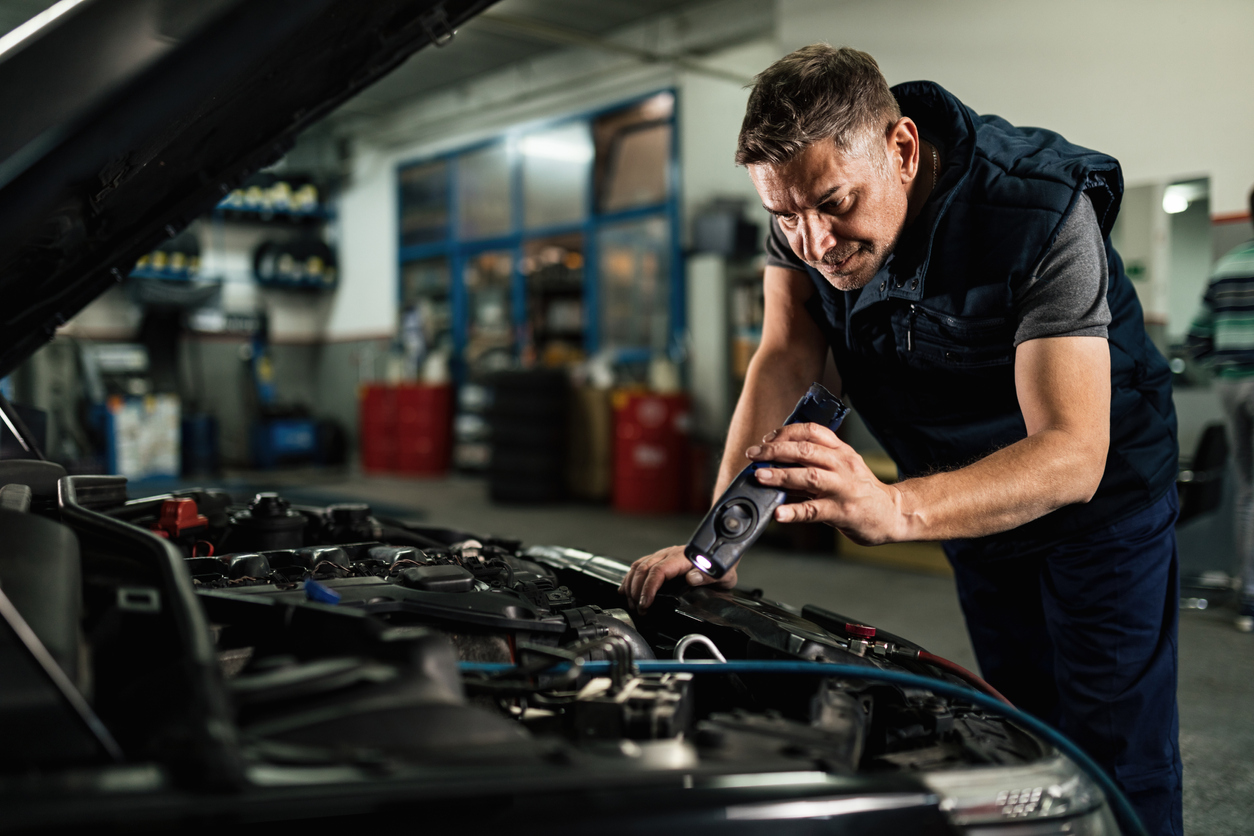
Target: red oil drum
x,y
376,428
424,423
406,429
651,457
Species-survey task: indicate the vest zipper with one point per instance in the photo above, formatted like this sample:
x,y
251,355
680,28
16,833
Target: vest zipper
x,y
910,329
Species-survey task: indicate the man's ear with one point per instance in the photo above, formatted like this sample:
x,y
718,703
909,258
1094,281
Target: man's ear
x,y
902,149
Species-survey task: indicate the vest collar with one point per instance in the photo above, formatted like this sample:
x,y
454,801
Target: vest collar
x,y
950,126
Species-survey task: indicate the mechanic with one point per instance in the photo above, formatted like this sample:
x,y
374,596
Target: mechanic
x,y
959,271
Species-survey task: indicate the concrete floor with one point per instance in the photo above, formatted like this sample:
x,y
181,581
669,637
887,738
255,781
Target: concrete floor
x,y
1216,662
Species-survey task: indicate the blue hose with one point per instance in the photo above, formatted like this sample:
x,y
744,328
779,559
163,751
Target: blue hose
x,y
1128,819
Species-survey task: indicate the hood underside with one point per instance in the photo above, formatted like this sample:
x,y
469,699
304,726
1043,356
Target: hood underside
x,y
126,119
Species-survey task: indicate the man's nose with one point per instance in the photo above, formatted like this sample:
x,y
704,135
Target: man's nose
x,y
817,237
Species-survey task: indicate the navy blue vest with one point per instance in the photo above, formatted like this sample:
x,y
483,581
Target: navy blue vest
x,y
926,351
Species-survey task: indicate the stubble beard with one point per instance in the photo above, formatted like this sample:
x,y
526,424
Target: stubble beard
x,y
861,275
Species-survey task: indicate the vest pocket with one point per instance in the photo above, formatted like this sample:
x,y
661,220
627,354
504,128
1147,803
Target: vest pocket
x,y
931,339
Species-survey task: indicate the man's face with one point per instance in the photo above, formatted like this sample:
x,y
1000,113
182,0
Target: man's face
x,y
841,212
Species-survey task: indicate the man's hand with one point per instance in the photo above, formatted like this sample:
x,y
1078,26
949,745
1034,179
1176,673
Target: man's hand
x,y
842,490
647,575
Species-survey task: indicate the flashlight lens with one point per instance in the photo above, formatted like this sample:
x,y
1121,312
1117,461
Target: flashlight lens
x,y
703,563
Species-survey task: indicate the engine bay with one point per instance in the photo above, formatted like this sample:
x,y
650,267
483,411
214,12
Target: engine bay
x,y
343,637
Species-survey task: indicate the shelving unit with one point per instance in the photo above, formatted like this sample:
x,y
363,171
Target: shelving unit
x,y
746,304
427,297
556,310
293,213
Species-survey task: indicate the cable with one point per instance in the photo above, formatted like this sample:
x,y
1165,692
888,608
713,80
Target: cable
x,y
960,672
1129,821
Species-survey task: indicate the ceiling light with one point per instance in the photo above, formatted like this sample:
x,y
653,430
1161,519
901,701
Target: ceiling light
x,y
1174,202
1178,196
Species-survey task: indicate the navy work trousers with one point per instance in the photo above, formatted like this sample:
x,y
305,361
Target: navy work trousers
x,y
1083,636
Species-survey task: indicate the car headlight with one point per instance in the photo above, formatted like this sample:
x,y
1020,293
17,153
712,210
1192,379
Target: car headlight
x,y
1052,796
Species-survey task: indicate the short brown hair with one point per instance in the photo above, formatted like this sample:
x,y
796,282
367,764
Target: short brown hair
x,y
818,92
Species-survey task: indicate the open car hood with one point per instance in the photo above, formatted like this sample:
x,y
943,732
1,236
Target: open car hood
x,y
126,119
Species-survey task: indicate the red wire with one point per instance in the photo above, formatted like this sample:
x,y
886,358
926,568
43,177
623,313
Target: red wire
x,y
963,674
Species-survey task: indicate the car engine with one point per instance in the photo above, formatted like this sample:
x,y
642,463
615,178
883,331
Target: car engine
x,y
264,569
245,645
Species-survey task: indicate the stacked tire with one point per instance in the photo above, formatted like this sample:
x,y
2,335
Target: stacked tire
x,y
528,418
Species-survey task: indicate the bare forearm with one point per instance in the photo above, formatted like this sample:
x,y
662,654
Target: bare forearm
x,y
1004,490
1063,385
772,385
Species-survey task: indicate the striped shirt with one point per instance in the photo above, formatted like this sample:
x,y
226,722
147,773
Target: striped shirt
x,y
1222,335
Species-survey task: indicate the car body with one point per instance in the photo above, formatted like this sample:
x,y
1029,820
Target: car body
x,y
189,659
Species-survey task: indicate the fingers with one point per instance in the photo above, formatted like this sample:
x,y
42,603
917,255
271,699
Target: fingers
x,y
821,457
646,576
795,512
815,433
649,573
631,584
799,444
808,480
658,574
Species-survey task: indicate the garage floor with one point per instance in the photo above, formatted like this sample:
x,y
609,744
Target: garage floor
x,y
1216,662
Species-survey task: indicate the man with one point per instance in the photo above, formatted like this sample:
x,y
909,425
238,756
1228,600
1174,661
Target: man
x,y
1222,335
960,272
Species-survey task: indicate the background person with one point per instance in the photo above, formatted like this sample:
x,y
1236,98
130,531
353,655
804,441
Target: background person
x,y
1222,336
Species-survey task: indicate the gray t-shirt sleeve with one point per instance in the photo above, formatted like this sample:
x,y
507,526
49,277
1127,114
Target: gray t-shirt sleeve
x,y
778,251
1066,294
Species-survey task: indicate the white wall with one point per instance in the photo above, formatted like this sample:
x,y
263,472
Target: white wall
x,y
365,304
1163,85
711,110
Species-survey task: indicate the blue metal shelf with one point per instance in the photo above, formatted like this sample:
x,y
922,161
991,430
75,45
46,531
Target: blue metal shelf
x,y
166,275
272,216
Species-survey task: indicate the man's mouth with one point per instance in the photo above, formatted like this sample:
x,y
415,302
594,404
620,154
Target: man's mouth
x,y
838,264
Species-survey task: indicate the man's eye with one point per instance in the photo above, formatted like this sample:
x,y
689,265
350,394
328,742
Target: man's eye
x,y
837,205
787,220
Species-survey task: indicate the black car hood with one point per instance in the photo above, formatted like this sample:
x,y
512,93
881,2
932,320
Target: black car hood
x,y
126,119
